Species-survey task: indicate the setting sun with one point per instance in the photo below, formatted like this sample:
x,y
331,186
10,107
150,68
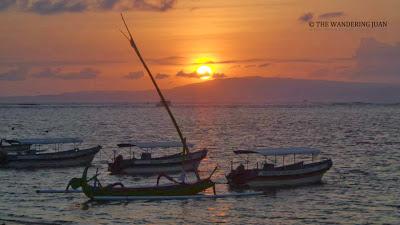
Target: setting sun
x,y
205,72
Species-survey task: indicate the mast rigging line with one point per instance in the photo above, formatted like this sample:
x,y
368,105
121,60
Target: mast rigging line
x,y
136,49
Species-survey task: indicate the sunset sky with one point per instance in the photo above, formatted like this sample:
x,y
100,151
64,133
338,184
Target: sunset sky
x,y
56,46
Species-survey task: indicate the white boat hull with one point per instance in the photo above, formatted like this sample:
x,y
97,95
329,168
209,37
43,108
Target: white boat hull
x,y
168,164
69,158
280,177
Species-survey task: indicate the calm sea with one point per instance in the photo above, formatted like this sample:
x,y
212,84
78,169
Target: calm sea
x,y
363,187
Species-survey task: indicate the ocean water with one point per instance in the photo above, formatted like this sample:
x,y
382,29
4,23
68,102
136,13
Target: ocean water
x,y
363,187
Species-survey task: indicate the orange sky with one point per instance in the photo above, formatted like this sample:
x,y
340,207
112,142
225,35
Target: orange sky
x,y
62,51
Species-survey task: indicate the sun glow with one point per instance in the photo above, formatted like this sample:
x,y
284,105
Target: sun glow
x,y
204,72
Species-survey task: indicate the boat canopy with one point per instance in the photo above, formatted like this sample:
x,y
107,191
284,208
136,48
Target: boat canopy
x,y
45,141
152,144
281,151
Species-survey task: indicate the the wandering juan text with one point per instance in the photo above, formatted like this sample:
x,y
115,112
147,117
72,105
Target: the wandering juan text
x,y
348,24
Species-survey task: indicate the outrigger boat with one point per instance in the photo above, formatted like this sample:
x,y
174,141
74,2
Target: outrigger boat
x,y
27,153
97,191
168,163
118,189
148,165
271,175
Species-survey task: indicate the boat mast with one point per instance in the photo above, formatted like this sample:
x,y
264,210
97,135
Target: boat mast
x,y
133,44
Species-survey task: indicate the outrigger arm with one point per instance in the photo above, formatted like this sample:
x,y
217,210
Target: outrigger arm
x,y
134,46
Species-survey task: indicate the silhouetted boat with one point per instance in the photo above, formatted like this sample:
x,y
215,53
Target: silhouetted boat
x,y
97,191
270,175
22,157
147,165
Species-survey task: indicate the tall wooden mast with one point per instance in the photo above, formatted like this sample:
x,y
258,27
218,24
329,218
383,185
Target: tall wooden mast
x,y
134,46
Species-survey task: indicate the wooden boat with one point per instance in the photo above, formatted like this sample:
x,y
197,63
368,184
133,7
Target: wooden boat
x,y
186,160
148,165
270,175
176,188
39,158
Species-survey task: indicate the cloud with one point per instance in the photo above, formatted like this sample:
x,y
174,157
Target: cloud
x,y
161,76
377,59
55,63
235,66
373,61
107,4
170,60
330,15
264,65
181,73
219,75
51,7
161,6
47,7
15,74
231,61
5,4
193,74
134,75
46,73
306,17
86,73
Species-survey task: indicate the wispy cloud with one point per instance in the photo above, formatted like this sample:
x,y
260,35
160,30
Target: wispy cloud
x,y
5,4
264,65
162,6
49,73
263,62
56,63
330,15
231,61
170,60
15,74
306,17
183,74
161,76
107,4
46,7
219,75
134,75
194,75
51,7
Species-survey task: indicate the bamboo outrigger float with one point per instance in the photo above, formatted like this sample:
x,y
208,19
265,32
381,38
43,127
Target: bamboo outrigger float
x,y
176,188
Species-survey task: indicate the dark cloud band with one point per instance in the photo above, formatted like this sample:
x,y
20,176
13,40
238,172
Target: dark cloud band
x,y
51,7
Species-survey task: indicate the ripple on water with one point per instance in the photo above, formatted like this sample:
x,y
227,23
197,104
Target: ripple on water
x,y
362,187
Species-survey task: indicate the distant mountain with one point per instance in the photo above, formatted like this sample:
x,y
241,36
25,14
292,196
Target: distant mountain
x,y
256,90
